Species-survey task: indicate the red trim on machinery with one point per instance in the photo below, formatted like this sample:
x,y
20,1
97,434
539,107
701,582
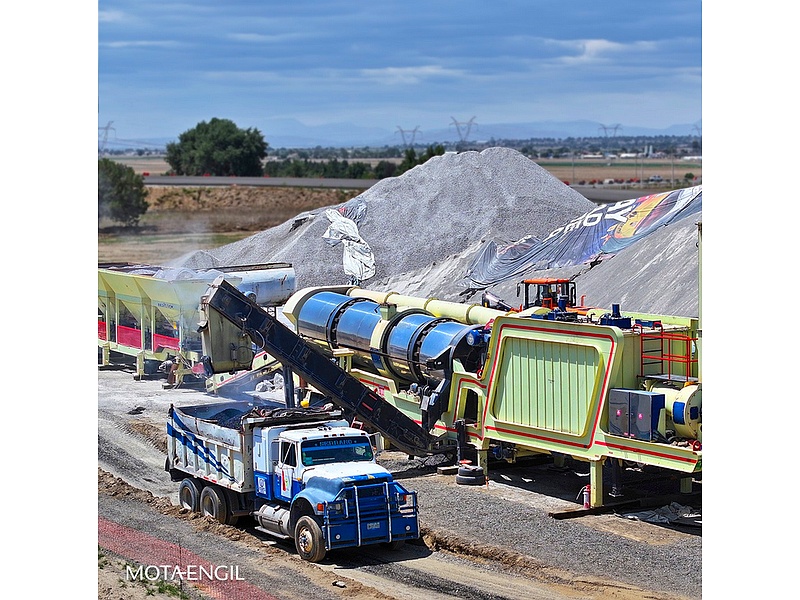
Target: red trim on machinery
x,y
687,459
603,389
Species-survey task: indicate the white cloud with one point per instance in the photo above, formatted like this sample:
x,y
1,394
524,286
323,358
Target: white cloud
x,y
265,38
111,16
599,50
141,44
409,75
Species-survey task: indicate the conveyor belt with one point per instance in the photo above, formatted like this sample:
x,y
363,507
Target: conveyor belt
x,y
316,368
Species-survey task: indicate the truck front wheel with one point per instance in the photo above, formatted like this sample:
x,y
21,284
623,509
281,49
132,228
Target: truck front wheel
x,y
308,540
213,504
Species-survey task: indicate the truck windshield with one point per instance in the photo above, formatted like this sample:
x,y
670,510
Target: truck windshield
x,y
333,450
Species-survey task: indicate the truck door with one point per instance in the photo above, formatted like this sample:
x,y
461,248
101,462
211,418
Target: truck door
x,y
285,469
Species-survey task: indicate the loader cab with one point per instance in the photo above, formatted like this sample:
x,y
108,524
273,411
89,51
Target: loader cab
x,y
547,293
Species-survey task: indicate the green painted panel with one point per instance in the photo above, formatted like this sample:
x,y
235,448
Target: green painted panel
x,y
546,384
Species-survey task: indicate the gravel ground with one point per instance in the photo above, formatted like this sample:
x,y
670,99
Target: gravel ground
x,y
506,523
481,519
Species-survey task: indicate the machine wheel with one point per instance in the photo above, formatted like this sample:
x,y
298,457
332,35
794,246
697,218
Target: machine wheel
x,y
213,504
232,504
308,540
189,494
393,545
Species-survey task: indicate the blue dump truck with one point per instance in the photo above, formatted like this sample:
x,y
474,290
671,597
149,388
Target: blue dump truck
x,y
302,473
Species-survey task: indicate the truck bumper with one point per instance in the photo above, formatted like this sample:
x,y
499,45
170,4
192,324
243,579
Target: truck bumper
x,y
369,530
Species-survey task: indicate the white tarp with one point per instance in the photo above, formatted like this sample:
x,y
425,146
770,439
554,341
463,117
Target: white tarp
x,y
674,513
357,257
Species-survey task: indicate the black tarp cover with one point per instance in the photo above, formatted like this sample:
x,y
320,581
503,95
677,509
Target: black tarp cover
x,y
604,230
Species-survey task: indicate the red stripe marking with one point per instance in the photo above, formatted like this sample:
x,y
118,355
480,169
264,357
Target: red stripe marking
x,y
603,389
148,550
686,459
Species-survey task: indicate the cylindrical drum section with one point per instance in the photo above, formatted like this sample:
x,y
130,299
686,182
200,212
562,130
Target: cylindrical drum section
x,y
443,335
318,312
684,408
269,287
341,322
355,323
399,341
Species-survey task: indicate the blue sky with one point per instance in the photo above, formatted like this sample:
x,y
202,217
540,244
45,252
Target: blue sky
x,y
165,66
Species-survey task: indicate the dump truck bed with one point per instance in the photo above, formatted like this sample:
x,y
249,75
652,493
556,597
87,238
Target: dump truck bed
x,y
214,442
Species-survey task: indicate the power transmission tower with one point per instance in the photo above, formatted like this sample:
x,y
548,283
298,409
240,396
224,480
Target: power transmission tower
x,y
463,135
403,134
699,134
105,131
613,128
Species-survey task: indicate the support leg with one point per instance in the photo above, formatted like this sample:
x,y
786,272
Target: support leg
x,y
483,461
616,478
139,366
596,482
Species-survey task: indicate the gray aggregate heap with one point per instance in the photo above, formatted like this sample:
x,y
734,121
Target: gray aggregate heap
x,y
426,215
425,227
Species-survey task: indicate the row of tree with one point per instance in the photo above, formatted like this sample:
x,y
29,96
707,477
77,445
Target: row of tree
x,y
220,148
343,169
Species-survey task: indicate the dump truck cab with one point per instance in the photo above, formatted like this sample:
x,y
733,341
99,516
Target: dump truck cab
x,y
285,458
337,495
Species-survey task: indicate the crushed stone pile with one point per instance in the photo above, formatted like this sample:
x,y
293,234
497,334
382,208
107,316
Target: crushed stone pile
x,y
423,228
429,213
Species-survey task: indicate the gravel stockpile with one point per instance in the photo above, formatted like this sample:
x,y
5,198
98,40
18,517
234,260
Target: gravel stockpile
x,y
426,215
425,227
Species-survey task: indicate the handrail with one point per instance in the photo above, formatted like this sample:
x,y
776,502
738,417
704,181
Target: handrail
x,y
668,355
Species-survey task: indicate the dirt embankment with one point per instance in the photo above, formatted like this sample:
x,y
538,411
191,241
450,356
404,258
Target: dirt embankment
x,y
237,208
184,219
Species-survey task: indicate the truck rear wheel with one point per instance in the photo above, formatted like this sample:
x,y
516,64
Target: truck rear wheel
x,y
394,545
213,504
189,494
308,540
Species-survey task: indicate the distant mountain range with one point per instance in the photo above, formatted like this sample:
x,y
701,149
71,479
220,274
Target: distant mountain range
x,y
290,133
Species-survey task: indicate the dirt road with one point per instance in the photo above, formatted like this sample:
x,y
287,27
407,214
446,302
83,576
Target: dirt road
x,y
137,510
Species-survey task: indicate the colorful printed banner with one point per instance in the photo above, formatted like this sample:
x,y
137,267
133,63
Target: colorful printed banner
x,y
605,230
